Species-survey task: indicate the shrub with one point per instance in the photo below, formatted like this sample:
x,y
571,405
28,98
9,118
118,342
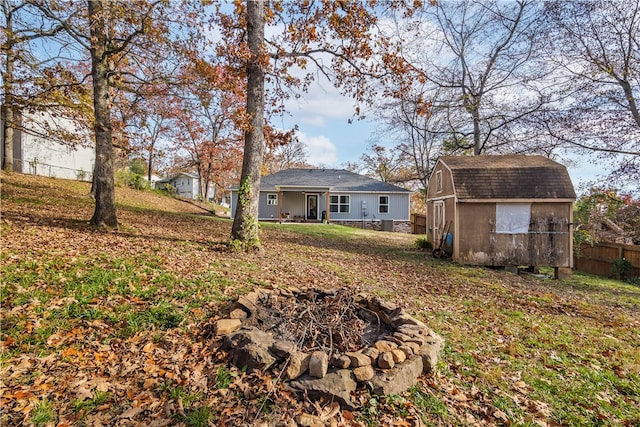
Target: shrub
x,y
131,179
620,267
423,243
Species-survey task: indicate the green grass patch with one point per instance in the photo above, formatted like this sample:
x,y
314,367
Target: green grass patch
x,y
44,413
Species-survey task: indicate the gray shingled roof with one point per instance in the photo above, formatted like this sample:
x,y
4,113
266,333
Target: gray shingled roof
x,y
337,179
509,177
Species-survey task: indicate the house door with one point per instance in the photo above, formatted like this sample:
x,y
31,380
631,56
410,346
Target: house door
x,y
312,206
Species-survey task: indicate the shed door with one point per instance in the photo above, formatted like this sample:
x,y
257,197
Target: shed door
x,y
438,219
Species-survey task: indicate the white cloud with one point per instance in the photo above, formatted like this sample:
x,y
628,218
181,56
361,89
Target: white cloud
x,y
320,150
321,102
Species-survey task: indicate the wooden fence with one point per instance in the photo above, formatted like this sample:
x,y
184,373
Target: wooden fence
x,y
605,259
418,224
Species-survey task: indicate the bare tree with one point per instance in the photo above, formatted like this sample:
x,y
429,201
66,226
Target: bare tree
x,y
284,156
596,48
421,130
483,76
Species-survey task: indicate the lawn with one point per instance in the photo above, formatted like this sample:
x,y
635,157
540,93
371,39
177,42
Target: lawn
x,y
112,327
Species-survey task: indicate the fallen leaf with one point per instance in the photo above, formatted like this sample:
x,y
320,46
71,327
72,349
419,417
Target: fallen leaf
x,y
131,413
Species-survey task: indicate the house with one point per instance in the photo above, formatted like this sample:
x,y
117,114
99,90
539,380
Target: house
x,y
185,184
510,210
335,195
39,148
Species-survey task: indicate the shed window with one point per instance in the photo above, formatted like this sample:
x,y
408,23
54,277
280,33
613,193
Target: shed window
x,y
383,204
513,218
272,199
439,182
339,204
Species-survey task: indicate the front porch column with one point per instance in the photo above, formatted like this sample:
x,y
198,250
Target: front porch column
x,y
280,203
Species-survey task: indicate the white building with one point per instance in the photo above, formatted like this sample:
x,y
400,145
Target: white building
x,y
39,147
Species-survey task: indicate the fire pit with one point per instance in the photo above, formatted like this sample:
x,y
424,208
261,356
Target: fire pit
x,y
327,342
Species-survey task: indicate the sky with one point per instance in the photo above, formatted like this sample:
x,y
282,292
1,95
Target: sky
x,y
323,118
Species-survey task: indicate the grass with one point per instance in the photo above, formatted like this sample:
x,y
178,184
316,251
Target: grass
x,y
130,308
44,413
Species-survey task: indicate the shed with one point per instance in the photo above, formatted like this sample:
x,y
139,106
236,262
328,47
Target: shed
x,y
502,210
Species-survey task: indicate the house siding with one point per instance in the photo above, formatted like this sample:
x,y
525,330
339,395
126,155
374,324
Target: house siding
x,y
398,207
36,154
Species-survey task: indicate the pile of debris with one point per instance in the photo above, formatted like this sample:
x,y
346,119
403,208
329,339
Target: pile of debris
x,y
325,343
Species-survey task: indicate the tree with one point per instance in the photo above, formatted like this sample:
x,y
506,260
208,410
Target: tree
x,y
387,165
126,44
596,48
421,129
208,113
606,215
482,75
339,38
290,154
245,222
147,129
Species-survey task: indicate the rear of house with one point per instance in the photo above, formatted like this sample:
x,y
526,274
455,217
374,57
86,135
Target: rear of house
x,y
511,210
336,195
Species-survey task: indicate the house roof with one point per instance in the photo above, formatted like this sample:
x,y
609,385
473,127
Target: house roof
x,y
512,176
179,174
338,180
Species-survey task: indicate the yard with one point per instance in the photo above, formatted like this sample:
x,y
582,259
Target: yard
x,y
110,327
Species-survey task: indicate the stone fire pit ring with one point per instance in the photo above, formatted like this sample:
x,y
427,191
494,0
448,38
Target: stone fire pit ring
x,y
320,356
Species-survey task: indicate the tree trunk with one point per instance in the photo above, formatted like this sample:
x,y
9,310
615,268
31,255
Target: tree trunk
x,y
150,165
477,148
244,233
105,209
8,113
9,102
631,100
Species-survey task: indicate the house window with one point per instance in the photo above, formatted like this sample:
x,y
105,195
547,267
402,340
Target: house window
x,y
383,204
339,204
272,199
513,218
439,182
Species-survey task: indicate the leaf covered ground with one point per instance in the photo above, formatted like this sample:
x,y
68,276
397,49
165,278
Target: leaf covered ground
x,y
110,327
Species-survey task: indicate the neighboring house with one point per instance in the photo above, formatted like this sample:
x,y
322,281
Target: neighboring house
x,y
511,211
335,195
154,180
187,185
36,152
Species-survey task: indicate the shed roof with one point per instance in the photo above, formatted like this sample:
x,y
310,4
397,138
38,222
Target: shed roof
x,y
513,176
332,179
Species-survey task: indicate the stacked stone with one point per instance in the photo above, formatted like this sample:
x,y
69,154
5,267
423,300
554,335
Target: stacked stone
x,y
391,364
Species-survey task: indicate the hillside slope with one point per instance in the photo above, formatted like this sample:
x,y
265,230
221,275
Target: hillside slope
x,y
111,326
